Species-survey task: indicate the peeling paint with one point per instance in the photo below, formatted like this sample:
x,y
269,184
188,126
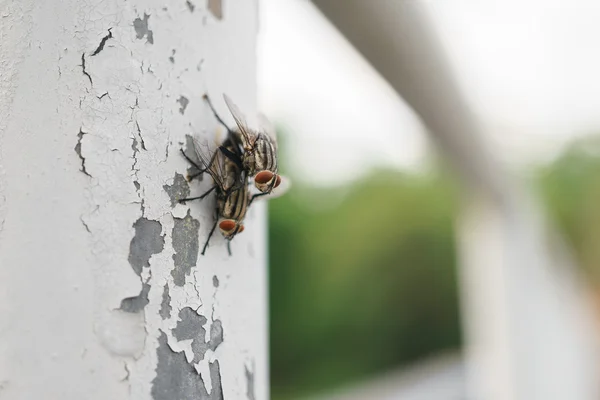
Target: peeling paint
x,y
190,5
191,326
175,377
249,384
165,305
83,69
186,245
141,29
102,43
216,335
137,303
183,101
146,242
180,189
216,8
215,376
78,151
139,131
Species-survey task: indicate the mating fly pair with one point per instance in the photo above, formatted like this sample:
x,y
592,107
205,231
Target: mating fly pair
x,y
244,154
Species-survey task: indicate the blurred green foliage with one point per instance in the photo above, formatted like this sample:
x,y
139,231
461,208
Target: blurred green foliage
x,y
570,188
361,286
369,283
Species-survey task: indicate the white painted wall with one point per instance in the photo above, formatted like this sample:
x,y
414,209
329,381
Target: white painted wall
x,y
96,98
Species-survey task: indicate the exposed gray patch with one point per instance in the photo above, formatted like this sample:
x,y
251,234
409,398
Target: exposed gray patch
x,y
249,384
216,335
185,244
137,303
191,326
141,29
83,68
216,8
146,242
176,379
172,57
103,43
180,189
78,151
215,281
190,5
165,305
215,377
183,101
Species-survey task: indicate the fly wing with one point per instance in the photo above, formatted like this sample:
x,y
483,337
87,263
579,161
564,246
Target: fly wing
x,y
209,157
267,127
248,135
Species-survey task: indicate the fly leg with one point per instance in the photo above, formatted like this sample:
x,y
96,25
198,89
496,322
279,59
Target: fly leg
x,y
205,97
210,235
199,197
255,196
200,170
229,247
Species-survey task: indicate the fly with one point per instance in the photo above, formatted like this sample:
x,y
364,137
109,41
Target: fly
x,y
231,187
258,148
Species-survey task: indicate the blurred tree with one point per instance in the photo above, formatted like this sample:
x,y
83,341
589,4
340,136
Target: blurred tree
x,y
364,286
570,187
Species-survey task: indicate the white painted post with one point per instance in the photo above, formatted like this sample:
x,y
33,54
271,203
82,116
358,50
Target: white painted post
x,y
103,292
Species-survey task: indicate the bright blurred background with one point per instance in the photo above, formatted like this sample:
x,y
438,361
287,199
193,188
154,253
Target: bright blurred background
x,y
363,258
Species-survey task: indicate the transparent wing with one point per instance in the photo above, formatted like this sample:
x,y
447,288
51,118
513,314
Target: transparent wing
x,y
211,161
248,135
267,127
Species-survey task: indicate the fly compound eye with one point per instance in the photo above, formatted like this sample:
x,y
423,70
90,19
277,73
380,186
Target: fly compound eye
x,y
227,227
277,181
263,177
240,229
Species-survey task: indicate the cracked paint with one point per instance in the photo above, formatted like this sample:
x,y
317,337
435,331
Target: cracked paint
x,y
183,102
186,245
103,43
134,268
78,151
146,242
141,29
190,5
190,326
165,305
83,69
137,303
177,379
216,335
180,189
249,383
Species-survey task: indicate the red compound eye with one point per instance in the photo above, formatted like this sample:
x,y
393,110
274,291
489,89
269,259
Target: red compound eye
x,y
240,229
227,225
263,177
278,181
